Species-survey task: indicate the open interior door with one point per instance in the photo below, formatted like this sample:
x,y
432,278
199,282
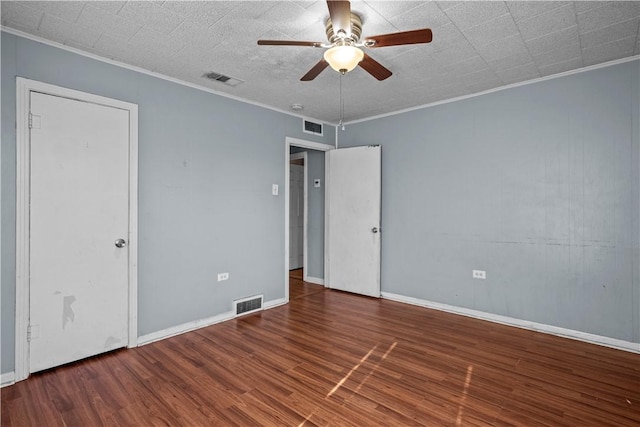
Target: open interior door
x,y
353,220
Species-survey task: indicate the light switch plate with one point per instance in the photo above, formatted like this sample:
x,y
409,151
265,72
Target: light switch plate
x,y
316,183
274,189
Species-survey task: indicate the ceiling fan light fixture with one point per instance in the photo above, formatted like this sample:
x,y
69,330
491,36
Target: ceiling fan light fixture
x,y
343,58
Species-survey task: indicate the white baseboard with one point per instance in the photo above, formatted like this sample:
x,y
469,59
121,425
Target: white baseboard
x,y
181,329
8,378
197,324
314,280
274,303
524,324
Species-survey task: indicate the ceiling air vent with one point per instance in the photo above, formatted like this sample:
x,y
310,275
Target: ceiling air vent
x,y
311,127
217,77
248,305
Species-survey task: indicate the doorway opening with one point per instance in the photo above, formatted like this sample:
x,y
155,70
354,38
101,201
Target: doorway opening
x,y
351,218
304,213
298,209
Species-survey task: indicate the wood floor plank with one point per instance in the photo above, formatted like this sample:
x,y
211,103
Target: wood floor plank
x,y
330,358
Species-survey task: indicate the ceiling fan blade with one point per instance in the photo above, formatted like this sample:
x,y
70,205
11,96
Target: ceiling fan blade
x,y
317,69
374,68
405,37
340,13
288,43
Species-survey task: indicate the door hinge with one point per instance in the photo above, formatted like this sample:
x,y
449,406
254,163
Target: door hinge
x,y
33,332
34,121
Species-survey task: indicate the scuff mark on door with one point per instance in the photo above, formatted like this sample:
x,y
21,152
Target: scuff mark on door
x,y
111,342
67,311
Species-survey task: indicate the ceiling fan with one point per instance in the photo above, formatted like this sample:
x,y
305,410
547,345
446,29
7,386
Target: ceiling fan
x,y
344,53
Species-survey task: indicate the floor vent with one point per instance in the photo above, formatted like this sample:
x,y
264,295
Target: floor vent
x,y
248,305
217,77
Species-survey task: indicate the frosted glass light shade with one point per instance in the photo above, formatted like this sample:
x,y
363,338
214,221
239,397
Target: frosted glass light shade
x,y
343,58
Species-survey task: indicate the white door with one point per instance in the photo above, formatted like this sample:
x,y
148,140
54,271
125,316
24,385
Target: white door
x,y
296,216
353,220
78,292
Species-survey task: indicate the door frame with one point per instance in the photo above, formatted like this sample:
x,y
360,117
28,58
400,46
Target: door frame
x,y
23,177
295,142
305,205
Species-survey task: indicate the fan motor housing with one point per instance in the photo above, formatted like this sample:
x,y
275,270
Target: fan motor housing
x,y
356,30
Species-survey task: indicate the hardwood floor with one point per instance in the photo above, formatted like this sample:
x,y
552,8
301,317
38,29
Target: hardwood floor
x,y
332,358
299,288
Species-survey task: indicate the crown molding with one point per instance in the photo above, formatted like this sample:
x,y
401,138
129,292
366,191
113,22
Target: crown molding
x,y
501,88
151,73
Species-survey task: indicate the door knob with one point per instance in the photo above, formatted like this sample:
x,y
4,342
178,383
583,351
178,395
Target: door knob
x,y
120,243
374,230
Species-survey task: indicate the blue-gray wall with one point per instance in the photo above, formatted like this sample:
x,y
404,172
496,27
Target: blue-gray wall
x,y
206,165
315,216
538,185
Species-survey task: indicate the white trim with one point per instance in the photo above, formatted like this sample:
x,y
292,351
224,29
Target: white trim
x,y
288,142
327,180
23,89
305,218
268,107
183,328
307,144
21,367
519,323
151,73
8,378
274,303
497,89
133,226
198,324
314,280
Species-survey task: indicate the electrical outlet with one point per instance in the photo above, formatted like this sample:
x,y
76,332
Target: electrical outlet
x,y
223,276
479,274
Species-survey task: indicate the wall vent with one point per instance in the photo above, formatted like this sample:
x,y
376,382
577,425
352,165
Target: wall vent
x,y
248,305
221,78
311,127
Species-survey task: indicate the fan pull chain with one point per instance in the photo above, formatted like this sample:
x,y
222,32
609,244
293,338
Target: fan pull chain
x,y
341,104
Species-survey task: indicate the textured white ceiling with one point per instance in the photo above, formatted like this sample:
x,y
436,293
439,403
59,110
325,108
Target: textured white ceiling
x,y
476,45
